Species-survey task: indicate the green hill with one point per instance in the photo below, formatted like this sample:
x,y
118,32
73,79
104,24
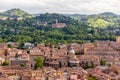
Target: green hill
x,y
102,20
77,31
15,13
108,14
101,23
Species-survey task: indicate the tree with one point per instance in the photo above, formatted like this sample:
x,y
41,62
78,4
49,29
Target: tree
x,y
22,65
5,63
16,55
92,78
39,63
9,46
91,66
85,66
102,62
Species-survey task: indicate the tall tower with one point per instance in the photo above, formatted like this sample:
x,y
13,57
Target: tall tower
x,y
56,21
71,52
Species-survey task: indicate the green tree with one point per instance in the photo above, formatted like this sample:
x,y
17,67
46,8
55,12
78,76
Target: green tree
x,y
85,66
91,66
39,63
9,46
22,65
5,63
92,78
16,55
102,62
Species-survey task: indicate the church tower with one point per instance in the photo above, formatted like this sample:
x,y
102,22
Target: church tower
x,y
56,21
71,52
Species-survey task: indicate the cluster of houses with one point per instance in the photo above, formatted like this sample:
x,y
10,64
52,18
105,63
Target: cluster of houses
x,y
68,62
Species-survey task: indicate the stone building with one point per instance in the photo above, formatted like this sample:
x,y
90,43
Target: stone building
x,y
58,25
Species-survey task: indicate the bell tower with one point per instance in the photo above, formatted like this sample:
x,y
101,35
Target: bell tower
x,y
56,21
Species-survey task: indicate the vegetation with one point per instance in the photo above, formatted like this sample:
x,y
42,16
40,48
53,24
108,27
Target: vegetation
x,y
102,62
103,20
22,65
39,63
92,78
101,23
5,63
86,66
76,31
15,13
16,55
9,46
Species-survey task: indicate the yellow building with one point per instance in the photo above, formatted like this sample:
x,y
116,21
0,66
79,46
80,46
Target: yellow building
x,y
118,39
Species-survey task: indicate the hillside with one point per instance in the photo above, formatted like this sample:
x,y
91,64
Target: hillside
x,y
108,14
14,13
102,20
77,31
24,31
51,18
101,23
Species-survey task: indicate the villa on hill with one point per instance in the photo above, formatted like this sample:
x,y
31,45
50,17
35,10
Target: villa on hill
x,y
58,25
